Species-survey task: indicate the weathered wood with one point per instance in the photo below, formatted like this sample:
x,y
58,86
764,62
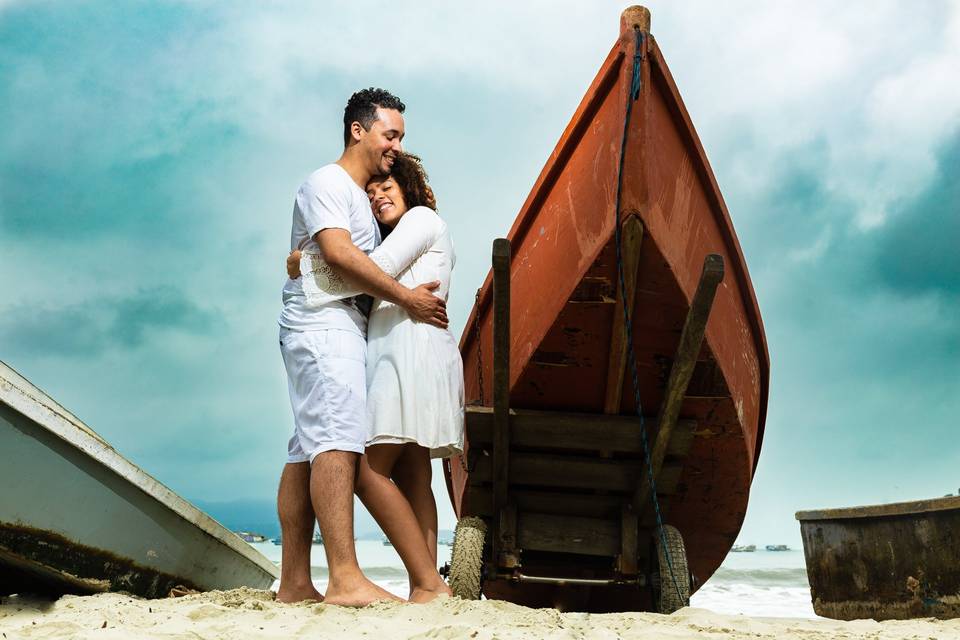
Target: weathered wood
x,y
635,16
580,431
593,290
632,238
502,539
932,505
707,381
576,472
629,536
893,561
683,364
588,505
508,557
648,521
569,534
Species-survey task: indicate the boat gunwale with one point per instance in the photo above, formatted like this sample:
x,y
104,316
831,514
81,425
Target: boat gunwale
x,y
892,509
19,394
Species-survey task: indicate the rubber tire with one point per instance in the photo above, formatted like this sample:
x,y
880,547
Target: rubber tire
x,y
668,600
466,561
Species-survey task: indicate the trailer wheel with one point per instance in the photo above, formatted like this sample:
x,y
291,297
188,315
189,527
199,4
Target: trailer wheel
x,y
466,562
666,591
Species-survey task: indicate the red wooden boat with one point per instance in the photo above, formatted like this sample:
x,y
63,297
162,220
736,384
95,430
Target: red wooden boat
x,y
572,504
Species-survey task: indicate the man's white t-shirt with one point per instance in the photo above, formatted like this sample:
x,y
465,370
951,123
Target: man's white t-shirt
x,y
329,199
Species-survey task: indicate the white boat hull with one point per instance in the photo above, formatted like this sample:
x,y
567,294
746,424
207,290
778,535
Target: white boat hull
x,y
75,516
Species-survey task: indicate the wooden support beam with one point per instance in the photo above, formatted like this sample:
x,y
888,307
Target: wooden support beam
x,y
508,558
561,503
569,534
632,239
577,473
629,541
504,538
573,431
684,362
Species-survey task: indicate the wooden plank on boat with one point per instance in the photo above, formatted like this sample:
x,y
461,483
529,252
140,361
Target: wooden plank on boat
x,y
691,340
569,534
632,238
648,521
911,508
707,381
629,540
576,472
589,505
582,431
505,537
593,290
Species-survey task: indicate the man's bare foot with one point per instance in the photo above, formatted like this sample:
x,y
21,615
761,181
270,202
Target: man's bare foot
x,y
358,594
299,593
422,595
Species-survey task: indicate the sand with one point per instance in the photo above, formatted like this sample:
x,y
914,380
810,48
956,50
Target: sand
x,y
247,613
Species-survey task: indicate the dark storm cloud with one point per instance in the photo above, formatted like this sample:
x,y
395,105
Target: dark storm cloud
x,y
101,324
879,303
919,251
113,126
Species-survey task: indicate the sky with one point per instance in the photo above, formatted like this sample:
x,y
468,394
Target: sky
x,y
150,152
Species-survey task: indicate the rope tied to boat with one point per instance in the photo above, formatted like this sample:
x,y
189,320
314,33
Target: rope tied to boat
x,y
635,86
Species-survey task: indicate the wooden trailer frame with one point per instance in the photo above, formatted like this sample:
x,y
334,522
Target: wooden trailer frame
x,y
521,519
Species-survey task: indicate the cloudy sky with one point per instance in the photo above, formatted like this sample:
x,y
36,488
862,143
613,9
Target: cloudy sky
x,y
150,152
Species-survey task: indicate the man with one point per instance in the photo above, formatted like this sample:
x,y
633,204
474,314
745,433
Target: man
x,y
324,352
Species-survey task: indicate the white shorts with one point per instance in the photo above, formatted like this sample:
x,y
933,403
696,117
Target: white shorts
x,y
328,391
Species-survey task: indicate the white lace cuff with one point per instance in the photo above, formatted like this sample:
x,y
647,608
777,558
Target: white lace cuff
x,y
321,284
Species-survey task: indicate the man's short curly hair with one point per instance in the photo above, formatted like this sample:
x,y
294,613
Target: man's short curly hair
x,y
362,108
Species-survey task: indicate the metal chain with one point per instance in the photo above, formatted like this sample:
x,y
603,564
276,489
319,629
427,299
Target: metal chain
x,y
634,94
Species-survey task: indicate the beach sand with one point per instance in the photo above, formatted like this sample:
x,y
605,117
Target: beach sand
x,y
247,613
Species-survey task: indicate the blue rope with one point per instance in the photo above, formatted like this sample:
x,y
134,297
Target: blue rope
x,y
634,94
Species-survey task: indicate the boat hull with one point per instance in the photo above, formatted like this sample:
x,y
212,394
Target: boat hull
x,y
886,562
76,517
564,289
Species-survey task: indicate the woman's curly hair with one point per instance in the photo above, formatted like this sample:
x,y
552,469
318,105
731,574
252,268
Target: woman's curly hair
x,y
408,173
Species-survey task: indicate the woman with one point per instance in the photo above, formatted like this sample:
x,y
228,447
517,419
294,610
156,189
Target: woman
x,y
415,403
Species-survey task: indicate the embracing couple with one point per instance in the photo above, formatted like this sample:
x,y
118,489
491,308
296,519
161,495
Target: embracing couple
x,y
375,377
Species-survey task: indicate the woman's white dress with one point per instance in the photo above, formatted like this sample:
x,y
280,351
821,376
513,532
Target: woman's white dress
x,y
414,370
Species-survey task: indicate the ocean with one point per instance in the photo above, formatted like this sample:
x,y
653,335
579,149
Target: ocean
x,y
761,583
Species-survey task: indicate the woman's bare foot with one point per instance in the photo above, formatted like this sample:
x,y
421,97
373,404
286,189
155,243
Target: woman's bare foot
x,y
358,594
422,595
298,593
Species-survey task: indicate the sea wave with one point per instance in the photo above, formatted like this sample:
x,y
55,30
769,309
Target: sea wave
x,y
762,577
374,573
770,601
